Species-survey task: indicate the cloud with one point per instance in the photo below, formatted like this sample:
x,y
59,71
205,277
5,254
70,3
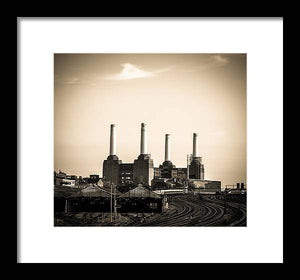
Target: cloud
x,y
219,60
73,81
206,64
131,71
69,80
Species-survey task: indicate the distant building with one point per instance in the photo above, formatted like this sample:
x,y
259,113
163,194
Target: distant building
x,y
196,169
126,174
100,183
68,183
94,179
205,186
58,178
169,170
63,179
141,171
140,200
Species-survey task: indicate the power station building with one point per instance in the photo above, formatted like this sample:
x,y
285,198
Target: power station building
x,y
139,172
142,170
168,170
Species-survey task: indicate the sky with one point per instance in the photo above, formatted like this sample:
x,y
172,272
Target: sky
x,y
176,94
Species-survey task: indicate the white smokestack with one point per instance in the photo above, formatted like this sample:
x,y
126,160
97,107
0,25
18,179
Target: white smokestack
x,y
143,139
112,149
167,148
195,145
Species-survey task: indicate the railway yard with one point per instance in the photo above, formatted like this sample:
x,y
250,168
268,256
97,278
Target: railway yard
x,y
183,210
139,194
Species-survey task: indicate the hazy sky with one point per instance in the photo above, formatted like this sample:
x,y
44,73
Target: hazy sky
x,y
176,94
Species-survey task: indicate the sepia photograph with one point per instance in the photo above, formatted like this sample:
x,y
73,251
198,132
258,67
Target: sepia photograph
x,y
150,140
139,137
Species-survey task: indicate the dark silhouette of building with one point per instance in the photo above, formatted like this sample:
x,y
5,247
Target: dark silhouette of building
x,y
141,171
168,170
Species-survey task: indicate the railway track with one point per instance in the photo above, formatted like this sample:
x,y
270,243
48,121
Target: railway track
x,y
191,211
185,210
238,209
88,219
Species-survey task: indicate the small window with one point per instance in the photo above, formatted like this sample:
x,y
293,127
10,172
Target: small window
x,y
153,205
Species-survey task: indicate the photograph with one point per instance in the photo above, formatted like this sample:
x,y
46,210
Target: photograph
x,y
145,133
150,140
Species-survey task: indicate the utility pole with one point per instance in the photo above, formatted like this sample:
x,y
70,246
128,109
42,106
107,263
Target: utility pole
x,y
115,203
188,169
66,206
188,162
225,195
110,202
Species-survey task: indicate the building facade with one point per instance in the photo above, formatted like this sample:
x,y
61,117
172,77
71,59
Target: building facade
x,y
142,170
139,172
168,170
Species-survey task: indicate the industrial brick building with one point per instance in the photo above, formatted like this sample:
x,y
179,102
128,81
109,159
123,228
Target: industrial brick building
x,y
139,172
142,170
195,168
